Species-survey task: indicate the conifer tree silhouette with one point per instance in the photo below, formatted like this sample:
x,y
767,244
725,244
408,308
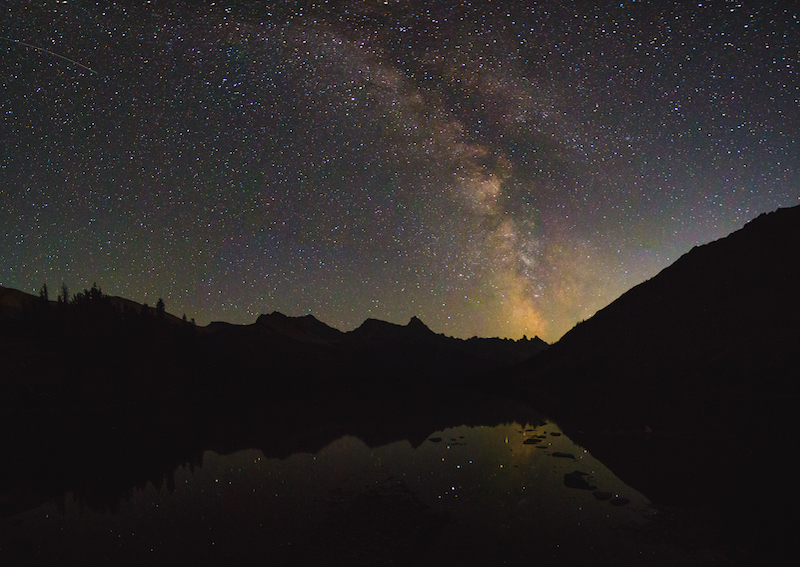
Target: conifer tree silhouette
x,y
63,296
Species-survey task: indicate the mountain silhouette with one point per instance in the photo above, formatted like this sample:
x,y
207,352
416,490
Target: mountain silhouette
x,y
375,331
708,340
383,358
685,387
307,328
94,333
13,302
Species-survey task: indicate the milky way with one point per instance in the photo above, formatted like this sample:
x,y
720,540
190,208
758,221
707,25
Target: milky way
x,y
496,169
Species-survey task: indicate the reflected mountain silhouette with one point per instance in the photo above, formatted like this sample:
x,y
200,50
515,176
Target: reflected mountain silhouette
x,y
101,459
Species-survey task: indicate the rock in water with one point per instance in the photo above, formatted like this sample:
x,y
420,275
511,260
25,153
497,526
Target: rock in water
x,y
575,480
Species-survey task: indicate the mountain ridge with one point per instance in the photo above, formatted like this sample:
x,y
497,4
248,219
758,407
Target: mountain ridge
x,y
276,349
13,302
661,351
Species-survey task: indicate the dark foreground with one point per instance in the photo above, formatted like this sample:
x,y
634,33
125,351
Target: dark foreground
x,y
98,404
708,509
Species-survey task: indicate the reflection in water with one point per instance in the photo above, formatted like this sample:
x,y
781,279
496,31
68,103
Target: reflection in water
x,y
475,495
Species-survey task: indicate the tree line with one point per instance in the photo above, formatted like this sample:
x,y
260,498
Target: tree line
x,y
94,299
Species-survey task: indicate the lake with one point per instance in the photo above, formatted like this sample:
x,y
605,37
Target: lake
x,y
475,495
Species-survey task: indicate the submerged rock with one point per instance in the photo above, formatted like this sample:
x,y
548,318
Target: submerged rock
x,y
575,480
619,501
602,495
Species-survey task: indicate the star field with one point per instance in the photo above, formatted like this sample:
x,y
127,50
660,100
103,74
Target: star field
x,y
495,168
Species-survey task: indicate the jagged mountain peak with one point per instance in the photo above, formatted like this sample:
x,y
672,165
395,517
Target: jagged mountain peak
x,y
306,327
416,324
376,329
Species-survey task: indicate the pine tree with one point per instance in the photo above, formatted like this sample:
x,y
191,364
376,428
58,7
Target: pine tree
x,y
63,297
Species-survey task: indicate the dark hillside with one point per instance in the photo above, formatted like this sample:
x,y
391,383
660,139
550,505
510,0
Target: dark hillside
x,y
709,340
686,387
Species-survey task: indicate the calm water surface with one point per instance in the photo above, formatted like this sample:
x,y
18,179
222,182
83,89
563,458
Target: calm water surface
x,y
480,495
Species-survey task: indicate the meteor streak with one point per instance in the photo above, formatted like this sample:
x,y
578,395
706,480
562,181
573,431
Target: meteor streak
x,y
42,49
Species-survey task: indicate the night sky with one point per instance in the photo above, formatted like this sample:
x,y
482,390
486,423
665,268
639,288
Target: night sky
x,y
495,168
